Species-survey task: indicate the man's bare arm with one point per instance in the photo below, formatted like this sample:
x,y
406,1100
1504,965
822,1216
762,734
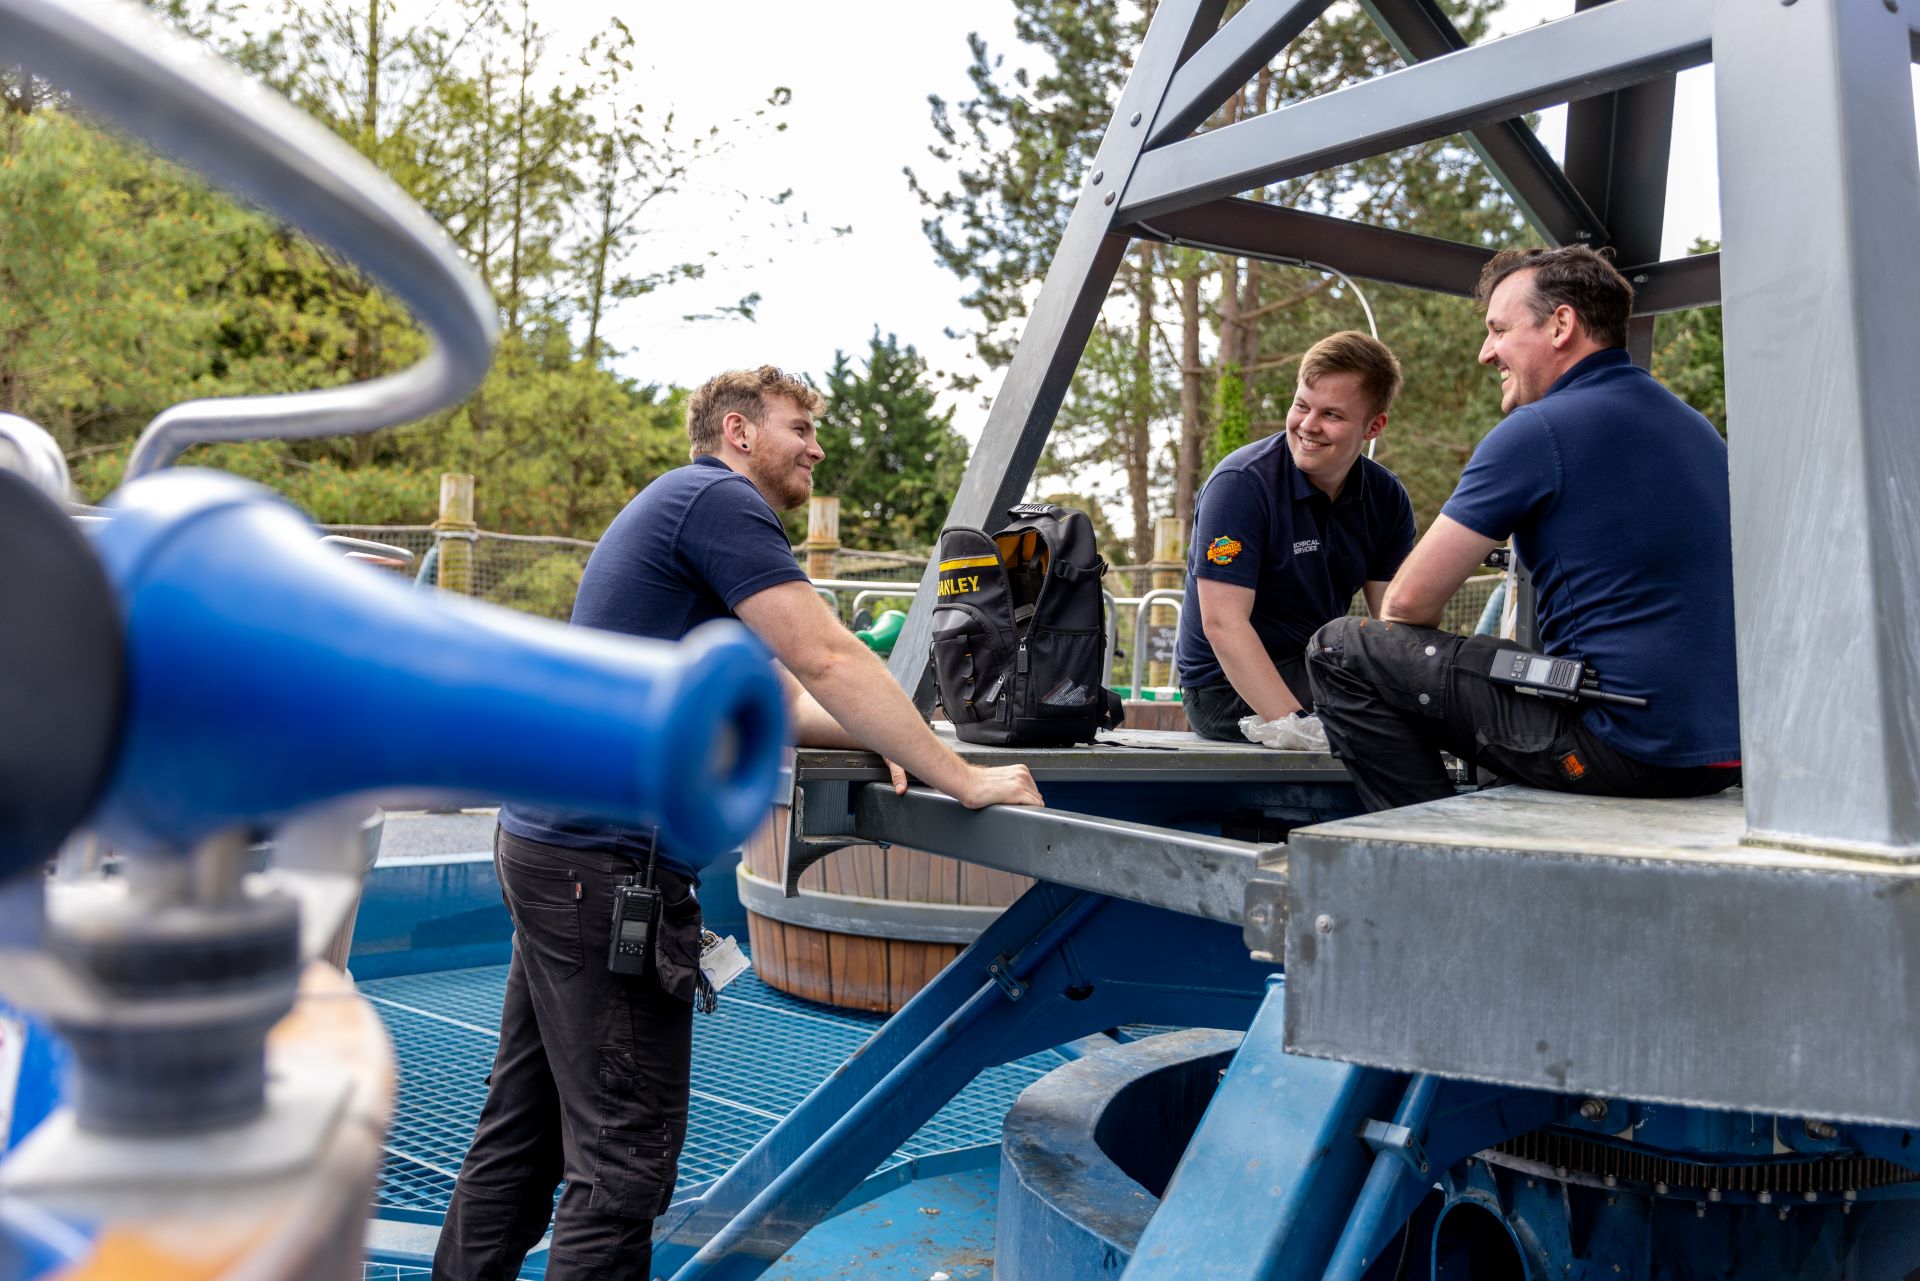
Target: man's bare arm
x,y
1226,616
1374,590
1433,572
852,689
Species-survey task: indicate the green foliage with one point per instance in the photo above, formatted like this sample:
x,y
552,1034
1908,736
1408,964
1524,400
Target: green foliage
x,y
1229,416
893,459
1689,355
127,285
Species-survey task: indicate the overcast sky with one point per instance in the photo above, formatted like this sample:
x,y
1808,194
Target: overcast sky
x,y
860,72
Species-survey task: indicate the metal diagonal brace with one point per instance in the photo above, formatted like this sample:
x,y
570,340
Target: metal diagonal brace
x,y
1188,872
1598,51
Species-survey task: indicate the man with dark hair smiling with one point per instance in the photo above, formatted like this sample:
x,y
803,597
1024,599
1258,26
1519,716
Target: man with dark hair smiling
x,y
1615,494
1285,531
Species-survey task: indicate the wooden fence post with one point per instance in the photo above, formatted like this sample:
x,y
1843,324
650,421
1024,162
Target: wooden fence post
x,y
454,534
823,535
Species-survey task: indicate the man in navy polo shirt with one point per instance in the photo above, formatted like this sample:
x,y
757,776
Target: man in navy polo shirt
x,y
1615,494
1286,530
590,1083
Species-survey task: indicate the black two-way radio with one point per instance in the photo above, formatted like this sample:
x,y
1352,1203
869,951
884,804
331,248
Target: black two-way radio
x,y
636,914
1567,680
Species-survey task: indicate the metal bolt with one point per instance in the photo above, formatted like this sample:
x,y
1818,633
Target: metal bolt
x,y
1850,1195
1594,1110
1699,1209
1134,119
1822,1130
1809,1195
1098,175
1260,915
1713,1194
1323,923
1610,1181
1763,1197
1783,1214
1659,1189
1110,197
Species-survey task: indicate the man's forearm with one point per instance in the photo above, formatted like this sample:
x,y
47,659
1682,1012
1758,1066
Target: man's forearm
x,y
857,704
1251,672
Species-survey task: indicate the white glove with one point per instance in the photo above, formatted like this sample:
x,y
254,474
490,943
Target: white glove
x,y
1297,733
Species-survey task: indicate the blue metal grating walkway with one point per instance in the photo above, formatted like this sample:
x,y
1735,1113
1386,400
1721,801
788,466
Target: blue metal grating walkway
x,y
753,1061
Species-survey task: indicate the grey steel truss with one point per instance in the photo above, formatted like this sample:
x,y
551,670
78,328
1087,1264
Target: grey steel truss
x,y
1820,189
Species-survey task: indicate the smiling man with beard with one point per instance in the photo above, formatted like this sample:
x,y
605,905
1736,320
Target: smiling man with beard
x,y
590,1083
1285,531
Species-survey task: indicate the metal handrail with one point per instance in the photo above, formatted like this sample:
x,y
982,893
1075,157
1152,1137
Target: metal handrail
x,y
125,66
876,593
1158,596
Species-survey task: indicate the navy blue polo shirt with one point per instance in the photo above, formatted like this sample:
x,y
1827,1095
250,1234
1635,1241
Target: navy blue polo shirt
x,y
687,550
1615,493
1261,523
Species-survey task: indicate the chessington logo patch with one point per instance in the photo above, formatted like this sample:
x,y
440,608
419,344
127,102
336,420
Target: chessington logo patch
x,y
1222,550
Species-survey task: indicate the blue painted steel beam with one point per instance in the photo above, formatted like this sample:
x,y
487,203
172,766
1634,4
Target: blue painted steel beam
x,y
1078,965
1279,1145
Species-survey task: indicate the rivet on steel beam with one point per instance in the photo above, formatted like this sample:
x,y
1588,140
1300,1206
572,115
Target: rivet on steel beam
x,y
1699,1209
1323,923
1098,175
1821,1130
1134,119
1110,196
1594,1109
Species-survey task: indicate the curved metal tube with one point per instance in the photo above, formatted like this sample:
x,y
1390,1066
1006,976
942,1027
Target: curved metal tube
x,y
27,448
125,66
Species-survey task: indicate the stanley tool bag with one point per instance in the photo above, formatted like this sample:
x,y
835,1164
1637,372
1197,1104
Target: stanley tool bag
x,y
1019,633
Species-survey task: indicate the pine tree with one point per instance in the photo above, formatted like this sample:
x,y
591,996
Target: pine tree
x,y
892,457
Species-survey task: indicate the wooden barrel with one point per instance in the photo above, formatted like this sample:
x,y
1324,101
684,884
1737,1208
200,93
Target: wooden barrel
x,y
873,926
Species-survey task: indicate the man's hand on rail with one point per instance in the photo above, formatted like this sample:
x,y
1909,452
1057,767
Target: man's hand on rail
x,y
998,785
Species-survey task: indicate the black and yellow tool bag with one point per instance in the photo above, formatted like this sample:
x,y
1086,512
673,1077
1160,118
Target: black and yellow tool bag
x,y
1019,633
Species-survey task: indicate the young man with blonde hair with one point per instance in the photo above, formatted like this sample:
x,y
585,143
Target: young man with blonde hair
x,y
1285,531
591,1080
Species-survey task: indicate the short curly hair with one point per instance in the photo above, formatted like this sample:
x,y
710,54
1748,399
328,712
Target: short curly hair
x,y
1571,276
743,392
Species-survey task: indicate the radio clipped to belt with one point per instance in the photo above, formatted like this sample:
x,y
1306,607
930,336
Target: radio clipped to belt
x,y
636,921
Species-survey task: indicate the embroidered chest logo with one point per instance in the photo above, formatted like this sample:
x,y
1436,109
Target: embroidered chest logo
x,y
1222,550
1306,545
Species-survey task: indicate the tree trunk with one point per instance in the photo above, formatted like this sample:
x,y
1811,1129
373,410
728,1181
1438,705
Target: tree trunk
x,y
608,193
1140,413
519,169
1186,484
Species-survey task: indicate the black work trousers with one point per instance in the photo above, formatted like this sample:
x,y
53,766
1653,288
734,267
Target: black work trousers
x,y
1392,697
590,1082
1214,711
